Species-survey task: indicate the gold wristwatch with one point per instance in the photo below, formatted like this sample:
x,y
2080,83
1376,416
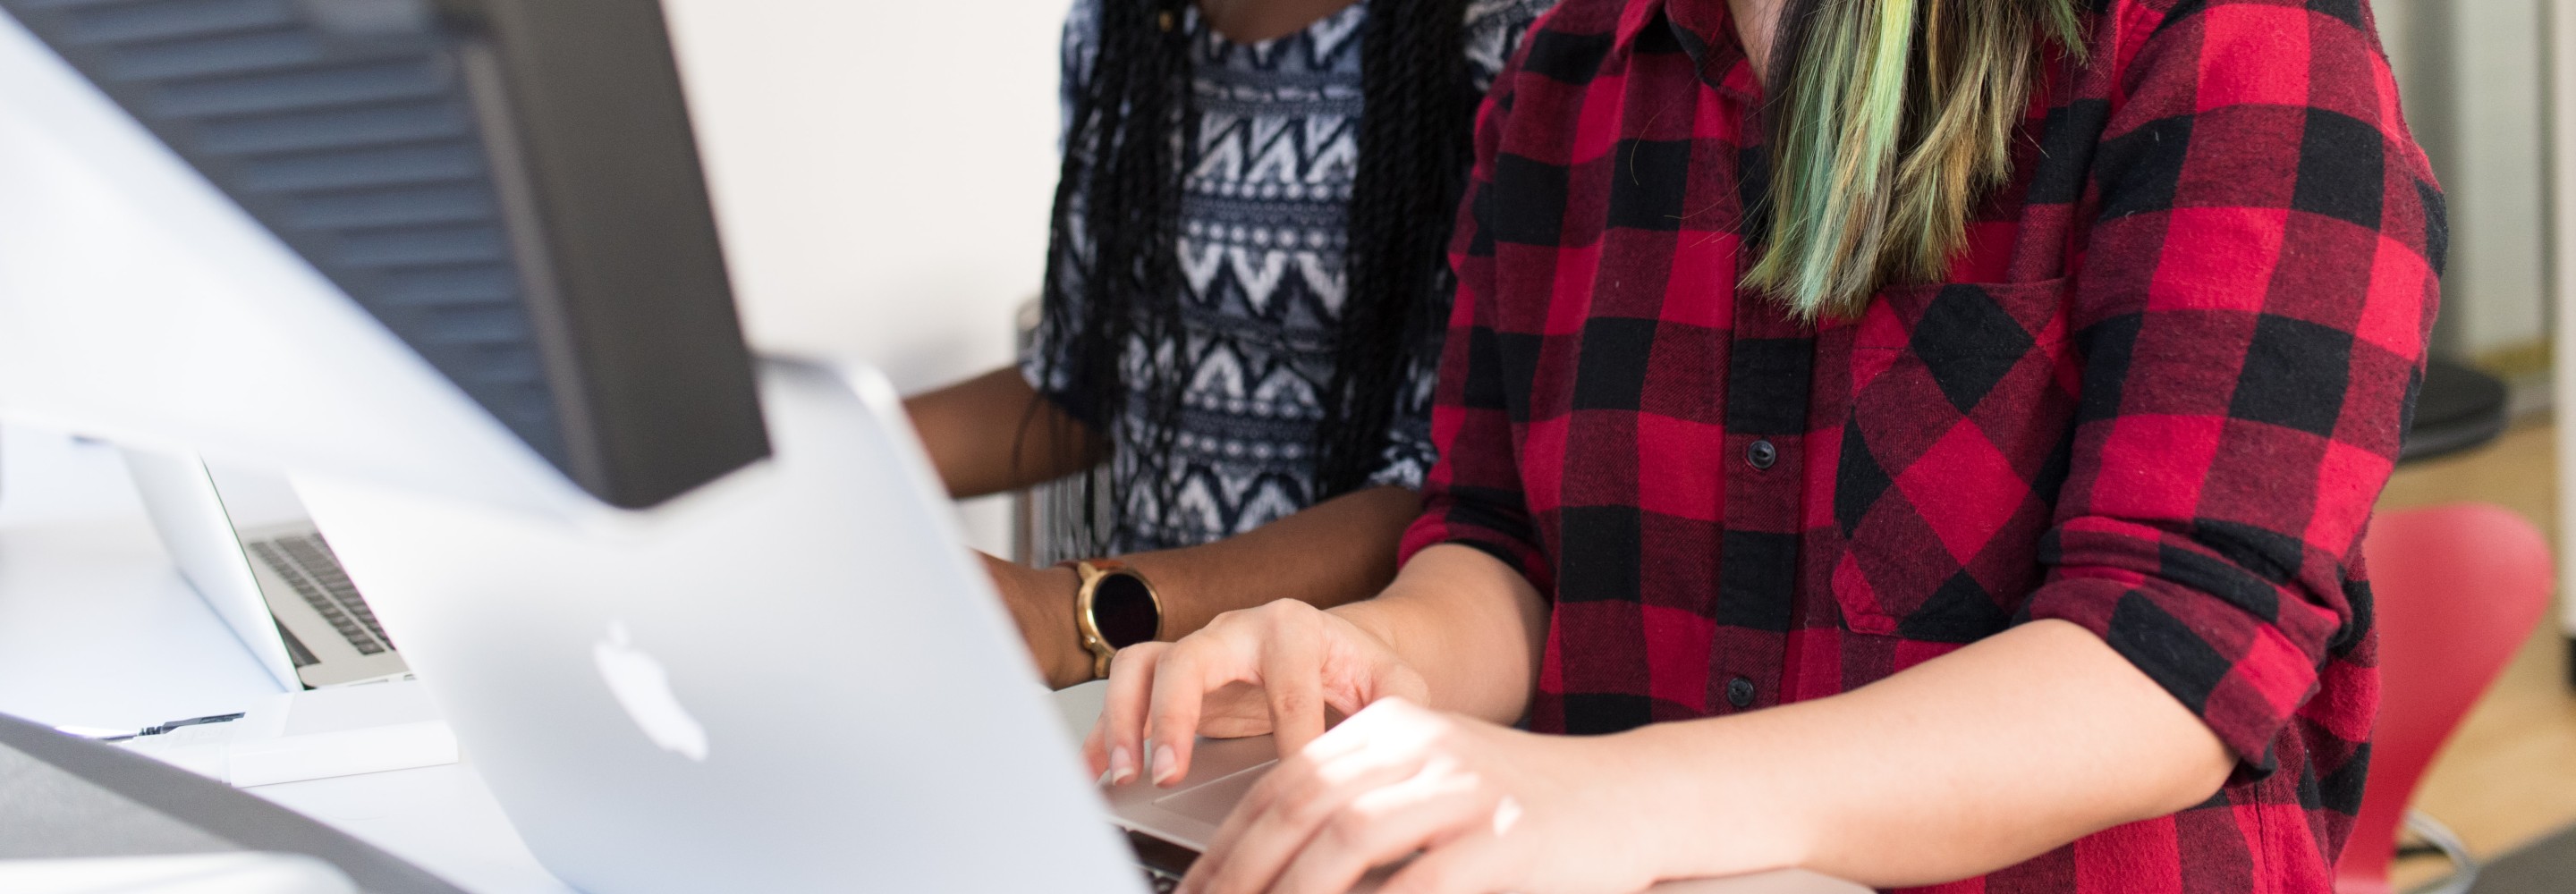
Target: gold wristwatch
x,y
1114,609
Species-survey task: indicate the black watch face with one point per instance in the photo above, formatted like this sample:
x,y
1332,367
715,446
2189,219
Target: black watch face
x,y
1123,610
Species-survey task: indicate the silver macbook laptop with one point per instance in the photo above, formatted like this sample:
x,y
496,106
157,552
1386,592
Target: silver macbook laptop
x,y
245,545
791,679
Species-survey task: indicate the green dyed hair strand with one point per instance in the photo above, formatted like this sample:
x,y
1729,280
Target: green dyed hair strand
x,y
1890,120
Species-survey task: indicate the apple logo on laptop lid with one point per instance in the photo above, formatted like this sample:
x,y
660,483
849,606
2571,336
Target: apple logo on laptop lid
x,y
643,688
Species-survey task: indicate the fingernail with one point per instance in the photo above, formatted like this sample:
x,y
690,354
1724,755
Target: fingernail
x,y
1103,782
1167,767
1122,766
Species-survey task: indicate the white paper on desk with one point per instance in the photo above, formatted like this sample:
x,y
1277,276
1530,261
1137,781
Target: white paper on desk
x,y
347,753
315,734
202,749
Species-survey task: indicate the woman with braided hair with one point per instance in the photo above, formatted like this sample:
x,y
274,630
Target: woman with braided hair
x,y
1244,297
1923,441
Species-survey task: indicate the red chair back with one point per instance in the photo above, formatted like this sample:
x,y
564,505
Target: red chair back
x,y
2457,590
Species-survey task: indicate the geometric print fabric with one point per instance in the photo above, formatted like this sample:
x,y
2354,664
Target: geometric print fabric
x,y
1261,249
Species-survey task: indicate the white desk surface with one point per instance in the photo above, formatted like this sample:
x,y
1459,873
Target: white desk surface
x,y
97,629
96,626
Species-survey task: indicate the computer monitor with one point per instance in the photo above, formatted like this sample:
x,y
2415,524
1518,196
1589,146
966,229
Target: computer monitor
x,y
509,189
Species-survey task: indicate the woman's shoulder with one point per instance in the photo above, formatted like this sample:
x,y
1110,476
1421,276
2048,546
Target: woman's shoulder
x,y
1498,14
2270,99
2356,12
1493,34
2324,55
2125,28
1082,21
1080,43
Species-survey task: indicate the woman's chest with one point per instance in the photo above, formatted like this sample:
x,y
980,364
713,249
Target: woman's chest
x,y
1907,464
1669,422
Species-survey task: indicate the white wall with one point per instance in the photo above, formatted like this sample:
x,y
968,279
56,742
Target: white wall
x,y
882,172
2473,74
2496,173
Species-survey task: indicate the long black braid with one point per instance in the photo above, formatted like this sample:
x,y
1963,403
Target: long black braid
x,y
1417,107
1130,119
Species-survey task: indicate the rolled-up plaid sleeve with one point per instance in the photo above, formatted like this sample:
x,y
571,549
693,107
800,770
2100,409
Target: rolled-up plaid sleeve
x,y
1473,495
2251,314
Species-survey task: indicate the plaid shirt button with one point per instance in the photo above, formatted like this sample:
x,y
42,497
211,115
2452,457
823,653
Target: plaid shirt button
x,y
1762,454
1739,691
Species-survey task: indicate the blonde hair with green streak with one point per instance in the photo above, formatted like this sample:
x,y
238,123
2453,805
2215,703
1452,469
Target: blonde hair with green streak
x,y
1892,118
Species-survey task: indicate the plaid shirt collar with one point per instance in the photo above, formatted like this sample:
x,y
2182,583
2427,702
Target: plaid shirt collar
x,y
1706,31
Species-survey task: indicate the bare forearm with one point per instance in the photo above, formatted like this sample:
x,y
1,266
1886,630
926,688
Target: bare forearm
x,y
1971,762
1471,625
993,433
1333,552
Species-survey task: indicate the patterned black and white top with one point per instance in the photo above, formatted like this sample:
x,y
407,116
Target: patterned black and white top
x,y
1261,255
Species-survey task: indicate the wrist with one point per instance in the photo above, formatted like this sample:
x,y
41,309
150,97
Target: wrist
x,y
1371,618
1699,799
1041,602
1071,663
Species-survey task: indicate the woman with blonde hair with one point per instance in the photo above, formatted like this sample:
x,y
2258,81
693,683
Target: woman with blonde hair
x,y
1924,441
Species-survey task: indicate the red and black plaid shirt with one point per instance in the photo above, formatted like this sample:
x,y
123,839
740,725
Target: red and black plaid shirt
x,y
2156,398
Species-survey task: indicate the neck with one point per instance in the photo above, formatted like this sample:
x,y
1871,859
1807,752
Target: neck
x,y
1254,21
1756,21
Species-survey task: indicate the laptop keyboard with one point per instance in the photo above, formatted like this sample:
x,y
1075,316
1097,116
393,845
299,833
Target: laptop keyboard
x,y
305,562
1163,862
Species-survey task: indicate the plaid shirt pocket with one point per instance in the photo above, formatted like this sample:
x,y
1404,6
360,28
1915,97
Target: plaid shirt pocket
x,y
1954,444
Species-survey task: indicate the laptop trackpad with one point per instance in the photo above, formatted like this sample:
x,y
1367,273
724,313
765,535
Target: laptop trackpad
x,y
1210,803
